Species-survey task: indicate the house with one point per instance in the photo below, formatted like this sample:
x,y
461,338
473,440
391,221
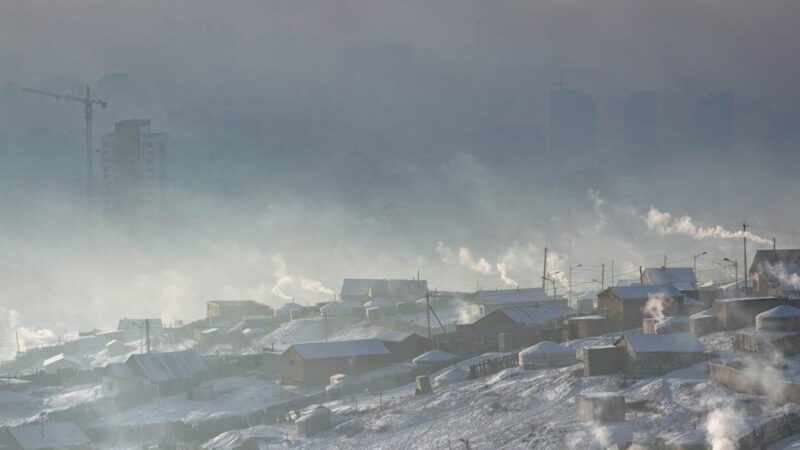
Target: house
x,y
525,325
397,291
776,272
118,379
117,348
84,345
158,373
734,313
62,364
44,435
625,305
283,313
650,355
491,300
236,309
683,278
315,362
403,346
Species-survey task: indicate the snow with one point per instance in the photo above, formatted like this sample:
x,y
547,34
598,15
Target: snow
x,y
287,308
433,356
55,435
702,314
340,349
247,438
62,361
504,296
161,367
547,348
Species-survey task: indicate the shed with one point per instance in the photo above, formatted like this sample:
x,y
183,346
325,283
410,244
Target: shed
x,y
315,362
665,325
546,354
395,290
344,308
603,360
524,323
624,305
236,309
682,278
586,326
62,364
170,372
600,407
46,436
316,421
781,318
703,323
119,379
649,355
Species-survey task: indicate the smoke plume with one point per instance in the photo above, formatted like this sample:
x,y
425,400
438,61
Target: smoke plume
x,y
285,280
723,426
656,305
664,224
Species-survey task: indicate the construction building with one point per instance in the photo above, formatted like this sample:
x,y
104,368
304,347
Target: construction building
x,y
134,174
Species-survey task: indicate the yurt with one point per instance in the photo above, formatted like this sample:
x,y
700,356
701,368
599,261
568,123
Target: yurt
x,y
450,376
546,354
781,318
432,360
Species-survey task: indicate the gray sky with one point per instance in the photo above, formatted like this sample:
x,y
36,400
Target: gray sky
x,y
351,138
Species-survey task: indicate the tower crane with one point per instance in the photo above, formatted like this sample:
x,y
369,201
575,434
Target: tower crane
x,y
88,106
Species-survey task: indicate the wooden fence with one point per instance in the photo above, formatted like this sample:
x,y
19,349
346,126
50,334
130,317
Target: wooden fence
x,y
754,384
493,365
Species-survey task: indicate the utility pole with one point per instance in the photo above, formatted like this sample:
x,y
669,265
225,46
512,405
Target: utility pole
x,y
641,275
325,319
774,244
744,269
16,331
147,333
735,273
88,106
665,261
428,312
569,295
602,276
544,272
694,264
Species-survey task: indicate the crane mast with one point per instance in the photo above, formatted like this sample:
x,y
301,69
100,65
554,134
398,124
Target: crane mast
x,y
88,105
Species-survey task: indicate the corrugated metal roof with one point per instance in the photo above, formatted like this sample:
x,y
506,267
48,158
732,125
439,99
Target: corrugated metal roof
x,y
669,343
643,292
404,289
535,315
162,367
340,349
525,295
682,277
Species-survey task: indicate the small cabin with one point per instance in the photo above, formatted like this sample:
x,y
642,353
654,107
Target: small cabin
x,y
316,362
586,326
650,355
735,313
600,407
625,305
62,364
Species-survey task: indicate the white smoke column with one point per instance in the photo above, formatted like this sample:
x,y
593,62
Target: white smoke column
x,y
502,269
467,312
723,426
285,280
479,265
10,331
787,278
664,224
656,304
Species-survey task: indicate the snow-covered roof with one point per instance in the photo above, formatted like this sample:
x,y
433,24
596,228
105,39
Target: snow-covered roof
x,y
547,348
162,367
340,349
318,410
126,323
341,306
55,435
287,307
745,299
703,313
64,359
393,335
788,259
682,277
670,343
434,356
780,312
643,291
506,296
379,303
534,315
592,317
119,370
404,289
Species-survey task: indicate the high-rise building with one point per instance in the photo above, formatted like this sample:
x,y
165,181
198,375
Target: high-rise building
x,y
641,123
713,122
134,174
573,124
